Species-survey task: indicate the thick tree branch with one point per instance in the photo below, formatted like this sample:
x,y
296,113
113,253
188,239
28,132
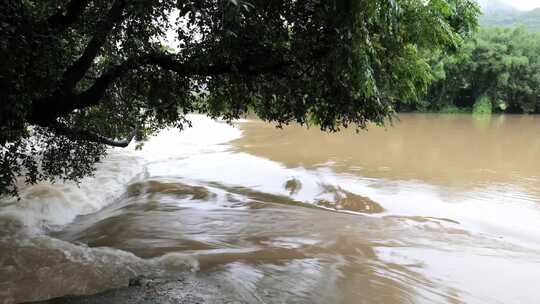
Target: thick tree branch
x,y
77,71
61,103
78,134
64,18
95,93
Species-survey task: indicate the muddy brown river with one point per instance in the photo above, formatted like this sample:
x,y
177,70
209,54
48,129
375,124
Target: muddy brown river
x,y
434,209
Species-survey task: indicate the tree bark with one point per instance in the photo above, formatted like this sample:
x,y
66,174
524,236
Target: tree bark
x,y
77,71
61,103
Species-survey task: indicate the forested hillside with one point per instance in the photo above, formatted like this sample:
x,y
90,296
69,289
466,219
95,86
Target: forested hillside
x,y
497,13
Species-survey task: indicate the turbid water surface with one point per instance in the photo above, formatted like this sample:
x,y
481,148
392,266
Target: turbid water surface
x,y
435,209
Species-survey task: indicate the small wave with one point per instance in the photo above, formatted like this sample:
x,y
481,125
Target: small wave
x,y
43,267
46,267
155,186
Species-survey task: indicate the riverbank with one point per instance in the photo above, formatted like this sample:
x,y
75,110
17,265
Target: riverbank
x,y
187,289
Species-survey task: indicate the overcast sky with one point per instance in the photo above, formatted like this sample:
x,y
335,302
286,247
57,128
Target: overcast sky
x,y
523,4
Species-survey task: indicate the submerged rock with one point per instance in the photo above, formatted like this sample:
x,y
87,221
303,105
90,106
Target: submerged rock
x,y
293,186
347,201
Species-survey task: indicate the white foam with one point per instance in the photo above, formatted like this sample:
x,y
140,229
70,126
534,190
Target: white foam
x,y
47,206
206,135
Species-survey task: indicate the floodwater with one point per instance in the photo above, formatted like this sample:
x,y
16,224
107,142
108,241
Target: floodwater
x,y
434,209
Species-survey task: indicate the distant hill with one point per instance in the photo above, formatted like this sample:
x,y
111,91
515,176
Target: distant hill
x,y
497,13
496,6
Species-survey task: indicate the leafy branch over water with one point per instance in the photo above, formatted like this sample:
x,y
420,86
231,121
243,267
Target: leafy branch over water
x,y
82,75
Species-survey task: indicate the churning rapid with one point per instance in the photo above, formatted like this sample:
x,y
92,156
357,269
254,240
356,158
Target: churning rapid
x,y
436,209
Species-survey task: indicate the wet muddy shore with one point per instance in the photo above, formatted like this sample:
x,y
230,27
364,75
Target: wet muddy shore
x,y
188,289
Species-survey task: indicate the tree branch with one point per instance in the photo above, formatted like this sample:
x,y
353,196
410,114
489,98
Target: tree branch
x,y
95,93
64,18
77,71
78,134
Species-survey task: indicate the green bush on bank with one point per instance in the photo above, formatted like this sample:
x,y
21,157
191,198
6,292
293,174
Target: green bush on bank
x,y
482,106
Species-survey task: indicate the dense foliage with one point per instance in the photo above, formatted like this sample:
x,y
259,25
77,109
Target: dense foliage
x,y
78,76
497,70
